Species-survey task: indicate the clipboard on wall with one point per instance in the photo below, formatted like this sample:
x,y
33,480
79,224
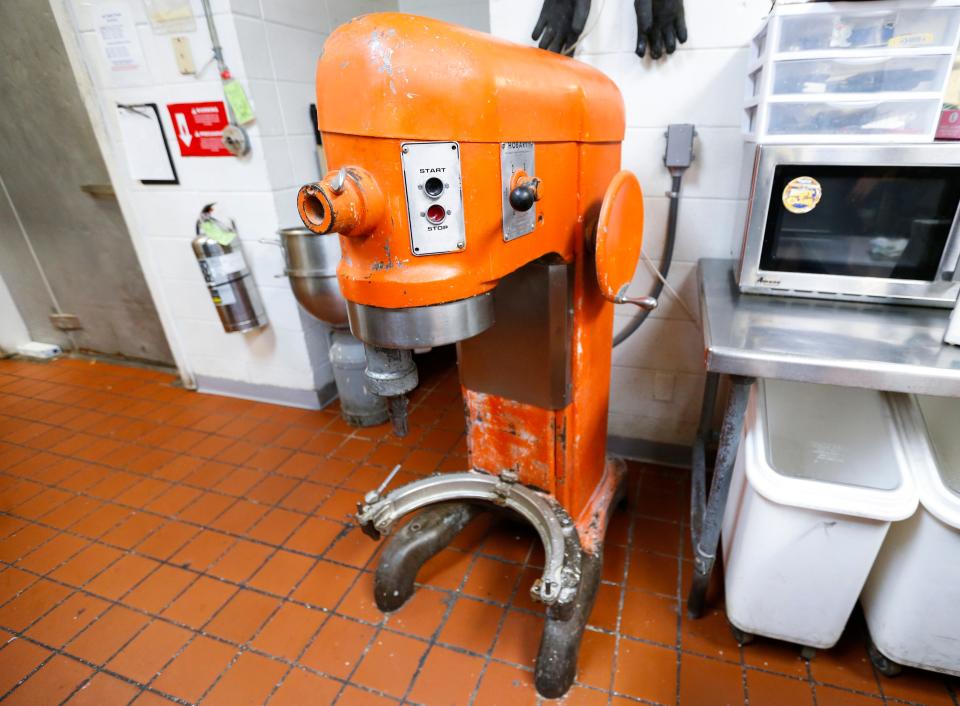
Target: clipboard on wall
x,y
145,144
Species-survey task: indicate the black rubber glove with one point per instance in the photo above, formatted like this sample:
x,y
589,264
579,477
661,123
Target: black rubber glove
x,y
660,26
560,24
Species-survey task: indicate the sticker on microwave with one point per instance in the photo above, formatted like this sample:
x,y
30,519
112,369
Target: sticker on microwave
x,y
801,195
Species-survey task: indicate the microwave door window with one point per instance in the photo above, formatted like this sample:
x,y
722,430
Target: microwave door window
x,y
883,222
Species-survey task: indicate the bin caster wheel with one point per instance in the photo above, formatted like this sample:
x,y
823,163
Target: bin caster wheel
x,y
808,653
887,667
742,638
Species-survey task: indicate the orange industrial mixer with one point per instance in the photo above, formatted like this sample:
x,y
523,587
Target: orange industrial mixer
x,y
478,200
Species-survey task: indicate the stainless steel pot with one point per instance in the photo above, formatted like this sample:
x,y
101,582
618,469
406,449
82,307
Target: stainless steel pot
x,y
311,265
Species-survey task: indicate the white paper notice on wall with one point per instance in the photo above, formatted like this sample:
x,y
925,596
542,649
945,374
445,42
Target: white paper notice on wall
x,y
122,61
145,144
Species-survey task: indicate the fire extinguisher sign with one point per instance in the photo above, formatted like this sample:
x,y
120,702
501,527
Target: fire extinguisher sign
x,y
199,128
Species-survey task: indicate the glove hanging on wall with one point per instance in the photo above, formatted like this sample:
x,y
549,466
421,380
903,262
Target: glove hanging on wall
x,y
560,24
660,26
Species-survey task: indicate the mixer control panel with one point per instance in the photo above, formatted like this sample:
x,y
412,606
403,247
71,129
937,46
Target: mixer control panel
x,y
515,157
431,178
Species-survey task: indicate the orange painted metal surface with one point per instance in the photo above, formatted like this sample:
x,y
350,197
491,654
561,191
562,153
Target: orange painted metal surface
x,y
619,235
413,78
424,80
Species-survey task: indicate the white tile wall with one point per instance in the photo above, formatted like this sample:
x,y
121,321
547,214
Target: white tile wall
x,y
702,84
271,46
474,14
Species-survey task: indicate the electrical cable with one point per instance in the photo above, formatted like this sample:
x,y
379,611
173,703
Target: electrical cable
x,y
666,261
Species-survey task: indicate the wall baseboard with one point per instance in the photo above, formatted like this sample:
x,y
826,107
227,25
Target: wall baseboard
x,y
650,451
272,394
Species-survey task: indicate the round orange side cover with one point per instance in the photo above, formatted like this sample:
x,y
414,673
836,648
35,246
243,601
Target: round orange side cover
x,y
619,235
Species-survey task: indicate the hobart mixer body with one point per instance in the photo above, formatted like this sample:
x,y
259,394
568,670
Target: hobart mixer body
x,y
477,195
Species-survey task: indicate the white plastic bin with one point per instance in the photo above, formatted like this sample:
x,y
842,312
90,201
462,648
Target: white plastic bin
x,y
912,598
820,475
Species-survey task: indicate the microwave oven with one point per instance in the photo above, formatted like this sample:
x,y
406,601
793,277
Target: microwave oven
x,y
868,223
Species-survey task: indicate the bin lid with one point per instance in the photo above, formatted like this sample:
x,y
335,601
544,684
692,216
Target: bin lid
x,y
828,448
937,474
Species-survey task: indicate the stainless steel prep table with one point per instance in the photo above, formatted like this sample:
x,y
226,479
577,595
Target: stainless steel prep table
x,y
750,336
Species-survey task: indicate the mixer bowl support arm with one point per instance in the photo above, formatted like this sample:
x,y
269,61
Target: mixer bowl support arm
x,y
559,584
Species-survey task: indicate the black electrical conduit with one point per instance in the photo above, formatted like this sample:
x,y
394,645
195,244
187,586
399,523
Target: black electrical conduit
x,y
665,262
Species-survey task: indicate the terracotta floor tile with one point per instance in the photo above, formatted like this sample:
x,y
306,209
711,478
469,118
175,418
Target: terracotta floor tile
x,y
23,542
646,672
113,485
196,605
87,564
104,519
846,665
203,550
288,631
917,686
434,685
17,659
102,690
508,541
165,541
831,696
44,502
149,651
271,489
31,604
325,584
421,614
300,464
194,669
492,580
352,696
240,481
133,531
159,589
314,536
247,683
774,690
56,551
653,572
472,625
390,663
140,494
595,665
12,581
105,636
71,511
341,505
338,647
502,684
241,561
276,526
281,573
709,635
649,617
614,563
242,616
239,517
51,684
306,497
118,578
359,602
206,508
775,656
422,462
519,638
606,608
269,458
353,548
709,682
67,619
300,687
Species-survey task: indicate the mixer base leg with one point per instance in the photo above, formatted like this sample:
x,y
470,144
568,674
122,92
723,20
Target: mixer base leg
x,y
560,643
412,546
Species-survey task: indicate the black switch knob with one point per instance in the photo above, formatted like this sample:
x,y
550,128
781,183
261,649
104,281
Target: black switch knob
x,y
523,197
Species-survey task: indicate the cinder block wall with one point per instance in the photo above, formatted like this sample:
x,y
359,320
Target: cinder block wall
x,y
271,48
658,373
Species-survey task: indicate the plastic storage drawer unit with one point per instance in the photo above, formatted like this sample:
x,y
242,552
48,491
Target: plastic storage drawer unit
x,y
820,475
912,598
